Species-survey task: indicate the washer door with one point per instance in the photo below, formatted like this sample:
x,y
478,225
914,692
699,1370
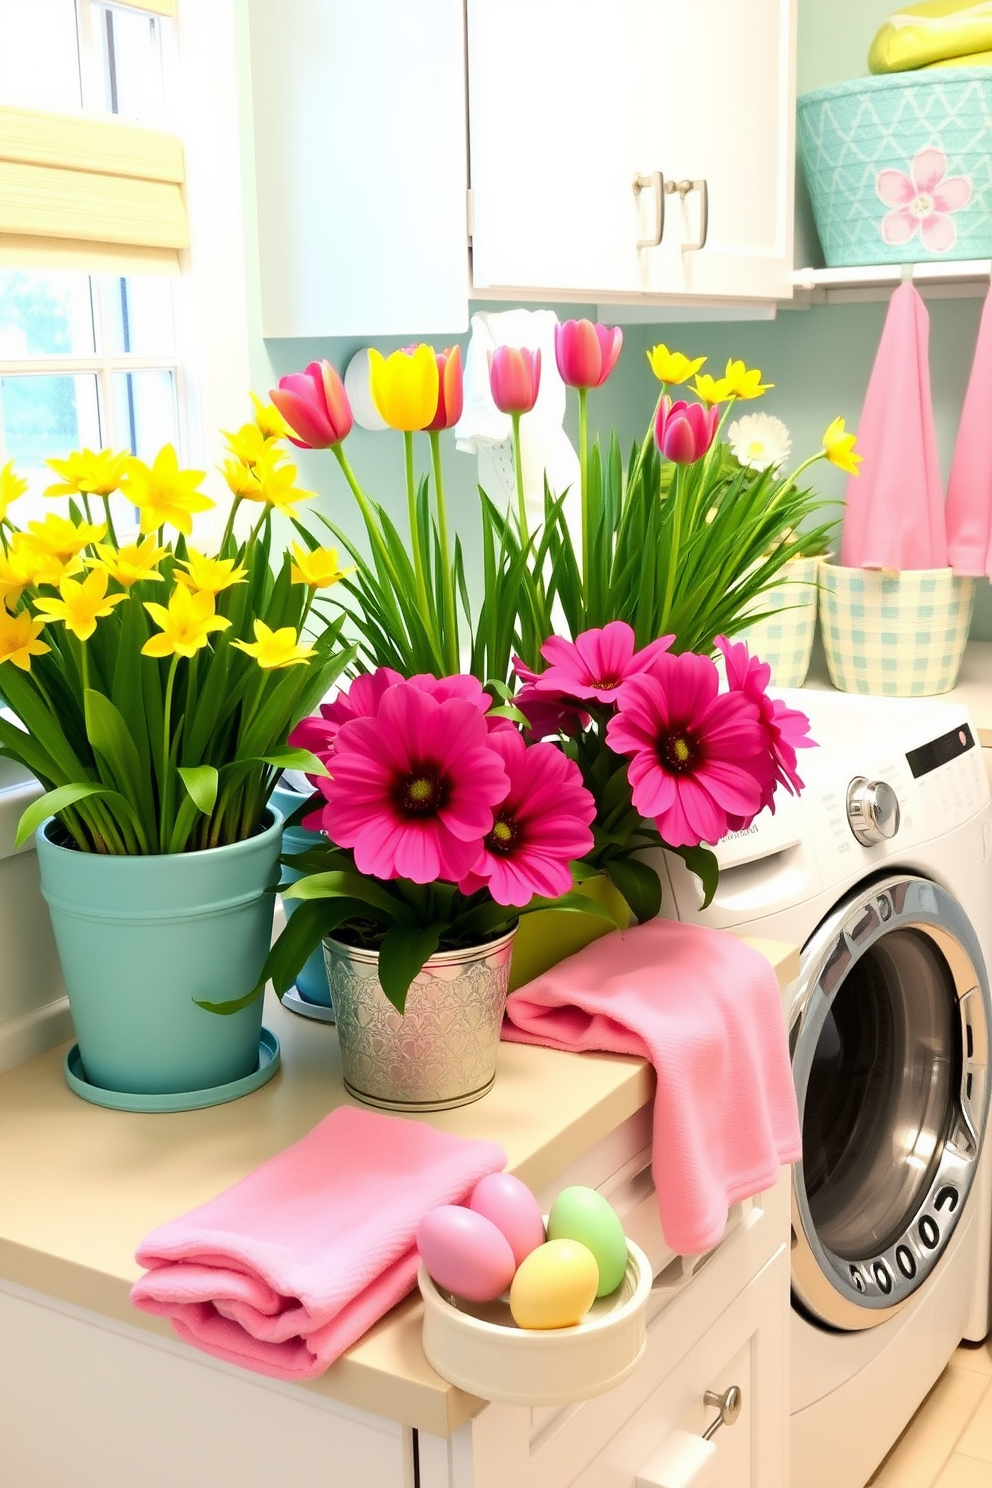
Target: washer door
x,y
889,1039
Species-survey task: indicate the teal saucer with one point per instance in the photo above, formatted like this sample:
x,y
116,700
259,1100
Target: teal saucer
x,y
182,1100
321,1012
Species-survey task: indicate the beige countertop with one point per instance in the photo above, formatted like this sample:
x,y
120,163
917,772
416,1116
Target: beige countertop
x,y
80,1185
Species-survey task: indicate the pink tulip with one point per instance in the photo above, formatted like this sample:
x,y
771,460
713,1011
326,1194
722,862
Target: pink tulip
x,y
315,406
684,431
450,395
515,378
586,354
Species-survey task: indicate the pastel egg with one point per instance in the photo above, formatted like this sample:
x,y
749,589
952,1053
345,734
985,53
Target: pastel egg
x,y
513,1209
465,1253
555,1286
583,1214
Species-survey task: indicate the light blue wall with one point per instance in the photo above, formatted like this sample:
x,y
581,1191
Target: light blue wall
x,y
819,359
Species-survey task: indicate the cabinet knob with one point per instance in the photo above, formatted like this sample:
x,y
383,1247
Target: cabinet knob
x,y
730,1403
681,1458
645,183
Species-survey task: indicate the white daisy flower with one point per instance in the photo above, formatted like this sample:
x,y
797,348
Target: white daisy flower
x,y
760,441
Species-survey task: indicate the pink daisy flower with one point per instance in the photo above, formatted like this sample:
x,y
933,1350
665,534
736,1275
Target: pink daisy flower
x,y
597,663
698,756
542,824
415,787
318,732
786,728
547,712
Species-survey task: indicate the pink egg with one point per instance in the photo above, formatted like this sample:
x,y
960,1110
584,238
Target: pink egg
x,y
513,1209
465,1253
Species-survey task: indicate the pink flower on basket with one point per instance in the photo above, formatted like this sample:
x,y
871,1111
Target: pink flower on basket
x,y
415,788
786,728
922,202
699,757
540,827
597,663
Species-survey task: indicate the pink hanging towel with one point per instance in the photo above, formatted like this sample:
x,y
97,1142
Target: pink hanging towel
x,y
894,516
284,1271
969,490
705,1009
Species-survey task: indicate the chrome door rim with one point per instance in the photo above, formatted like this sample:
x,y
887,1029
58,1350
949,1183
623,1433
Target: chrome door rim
x,y
833,1289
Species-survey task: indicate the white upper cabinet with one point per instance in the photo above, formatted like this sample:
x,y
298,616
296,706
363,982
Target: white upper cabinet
x,y
572,102
360,159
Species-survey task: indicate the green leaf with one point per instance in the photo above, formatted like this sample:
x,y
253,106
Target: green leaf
x,y
302,935
703,863
353,885
401,958
201,782
54,801
639,885
282,757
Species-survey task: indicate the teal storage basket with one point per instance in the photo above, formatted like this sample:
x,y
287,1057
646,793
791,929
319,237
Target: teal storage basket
x,y
902,123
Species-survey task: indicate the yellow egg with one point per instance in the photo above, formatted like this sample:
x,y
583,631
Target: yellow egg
x,y
555,1286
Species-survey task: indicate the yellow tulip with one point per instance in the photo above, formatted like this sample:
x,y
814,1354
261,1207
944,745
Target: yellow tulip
x,y
318,569
672,367
839,448
274,649
744,382
405,387
710,390
185,624
81,605
19,639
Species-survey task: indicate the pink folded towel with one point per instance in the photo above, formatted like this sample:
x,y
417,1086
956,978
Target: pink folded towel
x,y
282,1272
969,490
705,1009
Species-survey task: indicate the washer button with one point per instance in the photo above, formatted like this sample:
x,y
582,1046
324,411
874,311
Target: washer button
x,y
906,1261
883,1276
929,1233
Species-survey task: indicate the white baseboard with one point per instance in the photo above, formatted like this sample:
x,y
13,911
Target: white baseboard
x,y
32,1033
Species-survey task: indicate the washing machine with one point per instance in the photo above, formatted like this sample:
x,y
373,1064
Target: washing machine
x,y
881,870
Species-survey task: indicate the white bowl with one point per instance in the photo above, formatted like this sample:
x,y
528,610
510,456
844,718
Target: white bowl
x,y
479,1348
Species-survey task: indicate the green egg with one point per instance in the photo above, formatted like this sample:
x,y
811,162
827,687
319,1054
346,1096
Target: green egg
x,y
584,1215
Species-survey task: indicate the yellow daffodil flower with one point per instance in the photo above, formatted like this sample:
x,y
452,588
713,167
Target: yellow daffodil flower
x,y
81,605
210,575
840,448
163,493
269,421
20,568
273,649
19,639
11,487
276,485
745,382
318,569
404,386
88,473
61,538
241,480
131,564
672,367
711,390
185,624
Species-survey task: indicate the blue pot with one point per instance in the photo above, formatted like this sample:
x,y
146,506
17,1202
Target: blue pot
x,y
142,939
312,981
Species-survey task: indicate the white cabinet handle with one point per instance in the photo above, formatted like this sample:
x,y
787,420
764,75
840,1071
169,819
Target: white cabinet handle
x,y
683,189
682,1456
643,183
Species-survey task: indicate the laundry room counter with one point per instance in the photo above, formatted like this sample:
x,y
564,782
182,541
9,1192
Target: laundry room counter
x,y
974,685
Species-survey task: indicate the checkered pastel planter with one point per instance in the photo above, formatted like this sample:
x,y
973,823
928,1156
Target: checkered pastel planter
x,y
894,635
784,638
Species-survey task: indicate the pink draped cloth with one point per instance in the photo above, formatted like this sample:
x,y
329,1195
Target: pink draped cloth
x,y
705,1009
285,1270
969,490
894,516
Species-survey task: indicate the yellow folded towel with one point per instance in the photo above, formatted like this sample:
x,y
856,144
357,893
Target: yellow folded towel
x,y
932,31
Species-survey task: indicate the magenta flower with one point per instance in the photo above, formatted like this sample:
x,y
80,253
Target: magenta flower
x,y
684,431
586,354
922,202
597,663
515,378
698,756
318,732
315,406
786,728
541,825
415,787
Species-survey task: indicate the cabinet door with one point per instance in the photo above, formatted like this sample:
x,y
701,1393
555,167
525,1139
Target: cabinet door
x,y
721,112
360,159
553,124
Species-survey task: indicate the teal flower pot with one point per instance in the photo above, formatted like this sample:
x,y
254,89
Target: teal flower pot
x,y
312,981
142,939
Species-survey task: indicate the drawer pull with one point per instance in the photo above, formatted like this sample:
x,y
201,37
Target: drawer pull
x,y
682,1456
645,183
683,188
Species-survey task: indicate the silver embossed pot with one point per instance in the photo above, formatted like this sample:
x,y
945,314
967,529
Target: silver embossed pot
x,y
442,1051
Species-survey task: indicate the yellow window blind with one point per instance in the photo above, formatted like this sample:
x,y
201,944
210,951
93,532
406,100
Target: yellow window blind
x,y
156,7
89,193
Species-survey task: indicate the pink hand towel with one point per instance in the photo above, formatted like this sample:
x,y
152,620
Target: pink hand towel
x,y
894,516
282,1272
705,1009
969,490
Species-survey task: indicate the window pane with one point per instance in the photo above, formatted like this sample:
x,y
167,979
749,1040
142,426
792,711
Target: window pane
x,y
141,316
39,54
145,412
132,63
45,314
43,417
